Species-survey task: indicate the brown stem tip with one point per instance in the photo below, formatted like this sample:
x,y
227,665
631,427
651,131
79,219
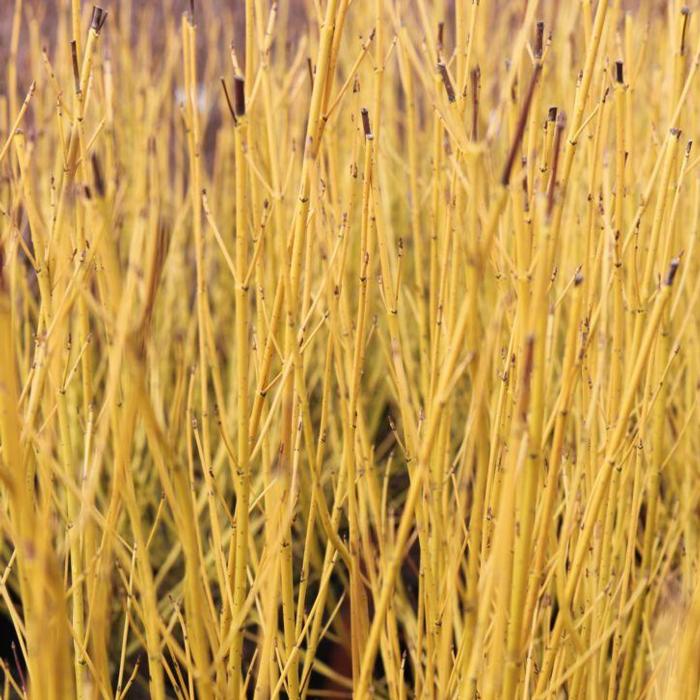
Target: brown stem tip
x,y
76,67
672,271
685,12
539,40
619,72
97,175
99,17
365,124
228,101
239,96
520,126
447,81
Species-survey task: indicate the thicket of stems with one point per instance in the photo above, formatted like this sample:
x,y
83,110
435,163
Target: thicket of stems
x,y
349,349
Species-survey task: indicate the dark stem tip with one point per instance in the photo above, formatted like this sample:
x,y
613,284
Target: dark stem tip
x,y
239,96
539,40
99,17
673,268
447,81
228,100
97,175
76,66
619,72
366,127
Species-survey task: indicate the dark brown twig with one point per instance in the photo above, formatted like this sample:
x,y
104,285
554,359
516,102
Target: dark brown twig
x,y
520,126
239,96
619,72
365,124
539,40
99,17
672,271
228,101
447,82
76,66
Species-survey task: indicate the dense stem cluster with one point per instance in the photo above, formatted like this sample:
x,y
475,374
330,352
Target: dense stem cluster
x,y
349,348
